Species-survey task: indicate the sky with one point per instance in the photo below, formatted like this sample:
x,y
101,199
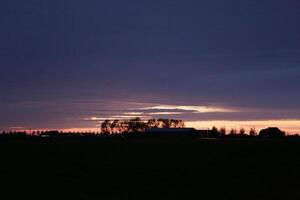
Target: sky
x,y
68,64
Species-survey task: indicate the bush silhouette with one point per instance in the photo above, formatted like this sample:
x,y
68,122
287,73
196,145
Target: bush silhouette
x,y
272,132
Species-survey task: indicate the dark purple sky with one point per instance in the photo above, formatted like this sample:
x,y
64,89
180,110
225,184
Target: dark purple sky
x,y
63,61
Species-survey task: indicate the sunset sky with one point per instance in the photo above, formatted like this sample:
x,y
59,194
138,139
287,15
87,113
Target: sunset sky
x,y
68,64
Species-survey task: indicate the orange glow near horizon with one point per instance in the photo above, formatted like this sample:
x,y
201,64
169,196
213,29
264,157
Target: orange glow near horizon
x,y
289,126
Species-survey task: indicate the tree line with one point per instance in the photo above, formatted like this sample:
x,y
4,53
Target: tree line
x,y
138,125
264,133
242,131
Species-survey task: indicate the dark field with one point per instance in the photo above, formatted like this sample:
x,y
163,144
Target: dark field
x,y
91,168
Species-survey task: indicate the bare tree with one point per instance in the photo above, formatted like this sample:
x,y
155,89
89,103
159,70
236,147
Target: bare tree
x,y
181,124
152,123
173,123
170,123
163,123
160,123
136,125
177,123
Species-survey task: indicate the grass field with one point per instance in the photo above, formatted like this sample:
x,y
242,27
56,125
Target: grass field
x,y
91,168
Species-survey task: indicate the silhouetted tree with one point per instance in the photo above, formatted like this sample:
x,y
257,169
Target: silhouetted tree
x,y
124,125
152,123
242,131
170,123
272,132
252,132
136,125
180,124
233,131
214,129
164,123
106,127
214,132
223,131
115,127
173,123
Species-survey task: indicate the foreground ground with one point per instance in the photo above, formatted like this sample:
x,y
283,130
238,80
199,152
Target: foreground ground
x,y
149,169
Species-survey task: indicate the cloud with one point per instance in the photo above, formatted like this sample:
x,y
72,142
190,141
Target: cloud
x,y
115,117
155,111
165,113
133,113
192,109
146,112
